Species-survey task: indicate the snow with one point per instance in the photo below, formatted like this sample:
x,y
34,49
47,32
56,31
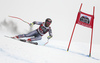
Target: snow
x,y
14,51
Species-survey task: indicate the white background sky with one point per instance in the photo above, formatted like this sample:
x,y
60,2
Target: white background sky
x,y
62,12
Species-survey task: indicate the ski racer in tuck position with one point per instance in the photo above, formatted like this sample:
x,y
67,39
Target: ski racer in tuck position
x,y
38,33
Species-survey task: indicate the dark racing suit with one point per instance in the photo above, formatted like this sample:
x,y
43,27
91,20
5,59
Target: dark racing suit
x,y
38,33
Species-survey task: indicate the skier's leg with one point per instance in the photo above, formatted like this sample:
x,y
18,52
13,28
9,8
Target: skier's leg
x,y
34,39
33,33
27,35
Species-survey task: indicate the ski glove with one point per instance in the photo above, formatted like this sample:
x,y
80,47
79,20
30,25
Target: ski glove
x,y
31,24
49,37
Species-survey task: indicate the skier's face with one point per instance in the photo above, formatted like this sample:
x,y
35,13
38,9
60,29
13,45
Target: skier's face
x,y
47,23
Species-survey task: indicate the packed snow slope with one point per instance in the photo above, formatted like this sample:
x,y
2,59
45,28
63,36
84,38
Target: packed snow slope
x,y
14,51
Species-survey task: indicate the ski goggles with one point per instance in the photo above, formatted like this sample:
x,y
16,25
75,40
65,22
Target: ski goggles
x,y
49,22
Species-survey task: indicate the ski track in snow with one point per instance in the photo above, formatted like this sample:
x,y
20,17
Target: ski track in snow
x,y
84,55
5,53
12,56
74,52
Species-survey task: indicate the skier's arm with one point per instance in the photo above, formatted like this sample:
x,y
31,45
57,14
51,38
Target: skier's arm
x,y
35,22
50,34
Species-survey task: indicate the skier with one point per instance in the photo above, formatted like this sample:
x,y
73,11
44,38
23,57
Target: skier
x,y
38,33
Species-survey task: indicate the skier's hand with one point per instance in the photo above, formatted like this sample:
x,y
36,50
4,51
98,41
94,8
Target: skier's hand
x,y
31,24
49,37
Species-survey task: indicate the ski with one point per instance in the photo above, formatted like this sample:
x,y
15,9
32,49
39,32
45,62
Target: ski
x,y
23,40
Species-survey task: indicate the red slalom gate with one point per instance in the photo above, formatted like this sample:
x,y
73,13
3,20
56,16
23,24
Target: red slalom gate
x,y
85,20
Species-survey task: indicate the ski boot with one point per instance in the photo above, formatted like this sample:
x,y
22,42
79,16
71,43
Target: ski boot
x,y
29,40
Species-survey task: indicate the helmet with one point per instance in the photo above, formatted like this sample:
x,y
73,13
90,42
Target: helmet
x,y
48,21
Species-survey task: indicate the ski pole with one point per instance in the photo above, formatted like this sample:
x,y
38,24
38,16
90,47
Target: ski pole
x,y
46,42
19,19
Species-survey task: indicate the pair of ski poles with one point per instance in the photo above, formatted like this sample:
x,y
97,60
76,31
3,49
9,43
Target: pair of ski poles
x,y
27,23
